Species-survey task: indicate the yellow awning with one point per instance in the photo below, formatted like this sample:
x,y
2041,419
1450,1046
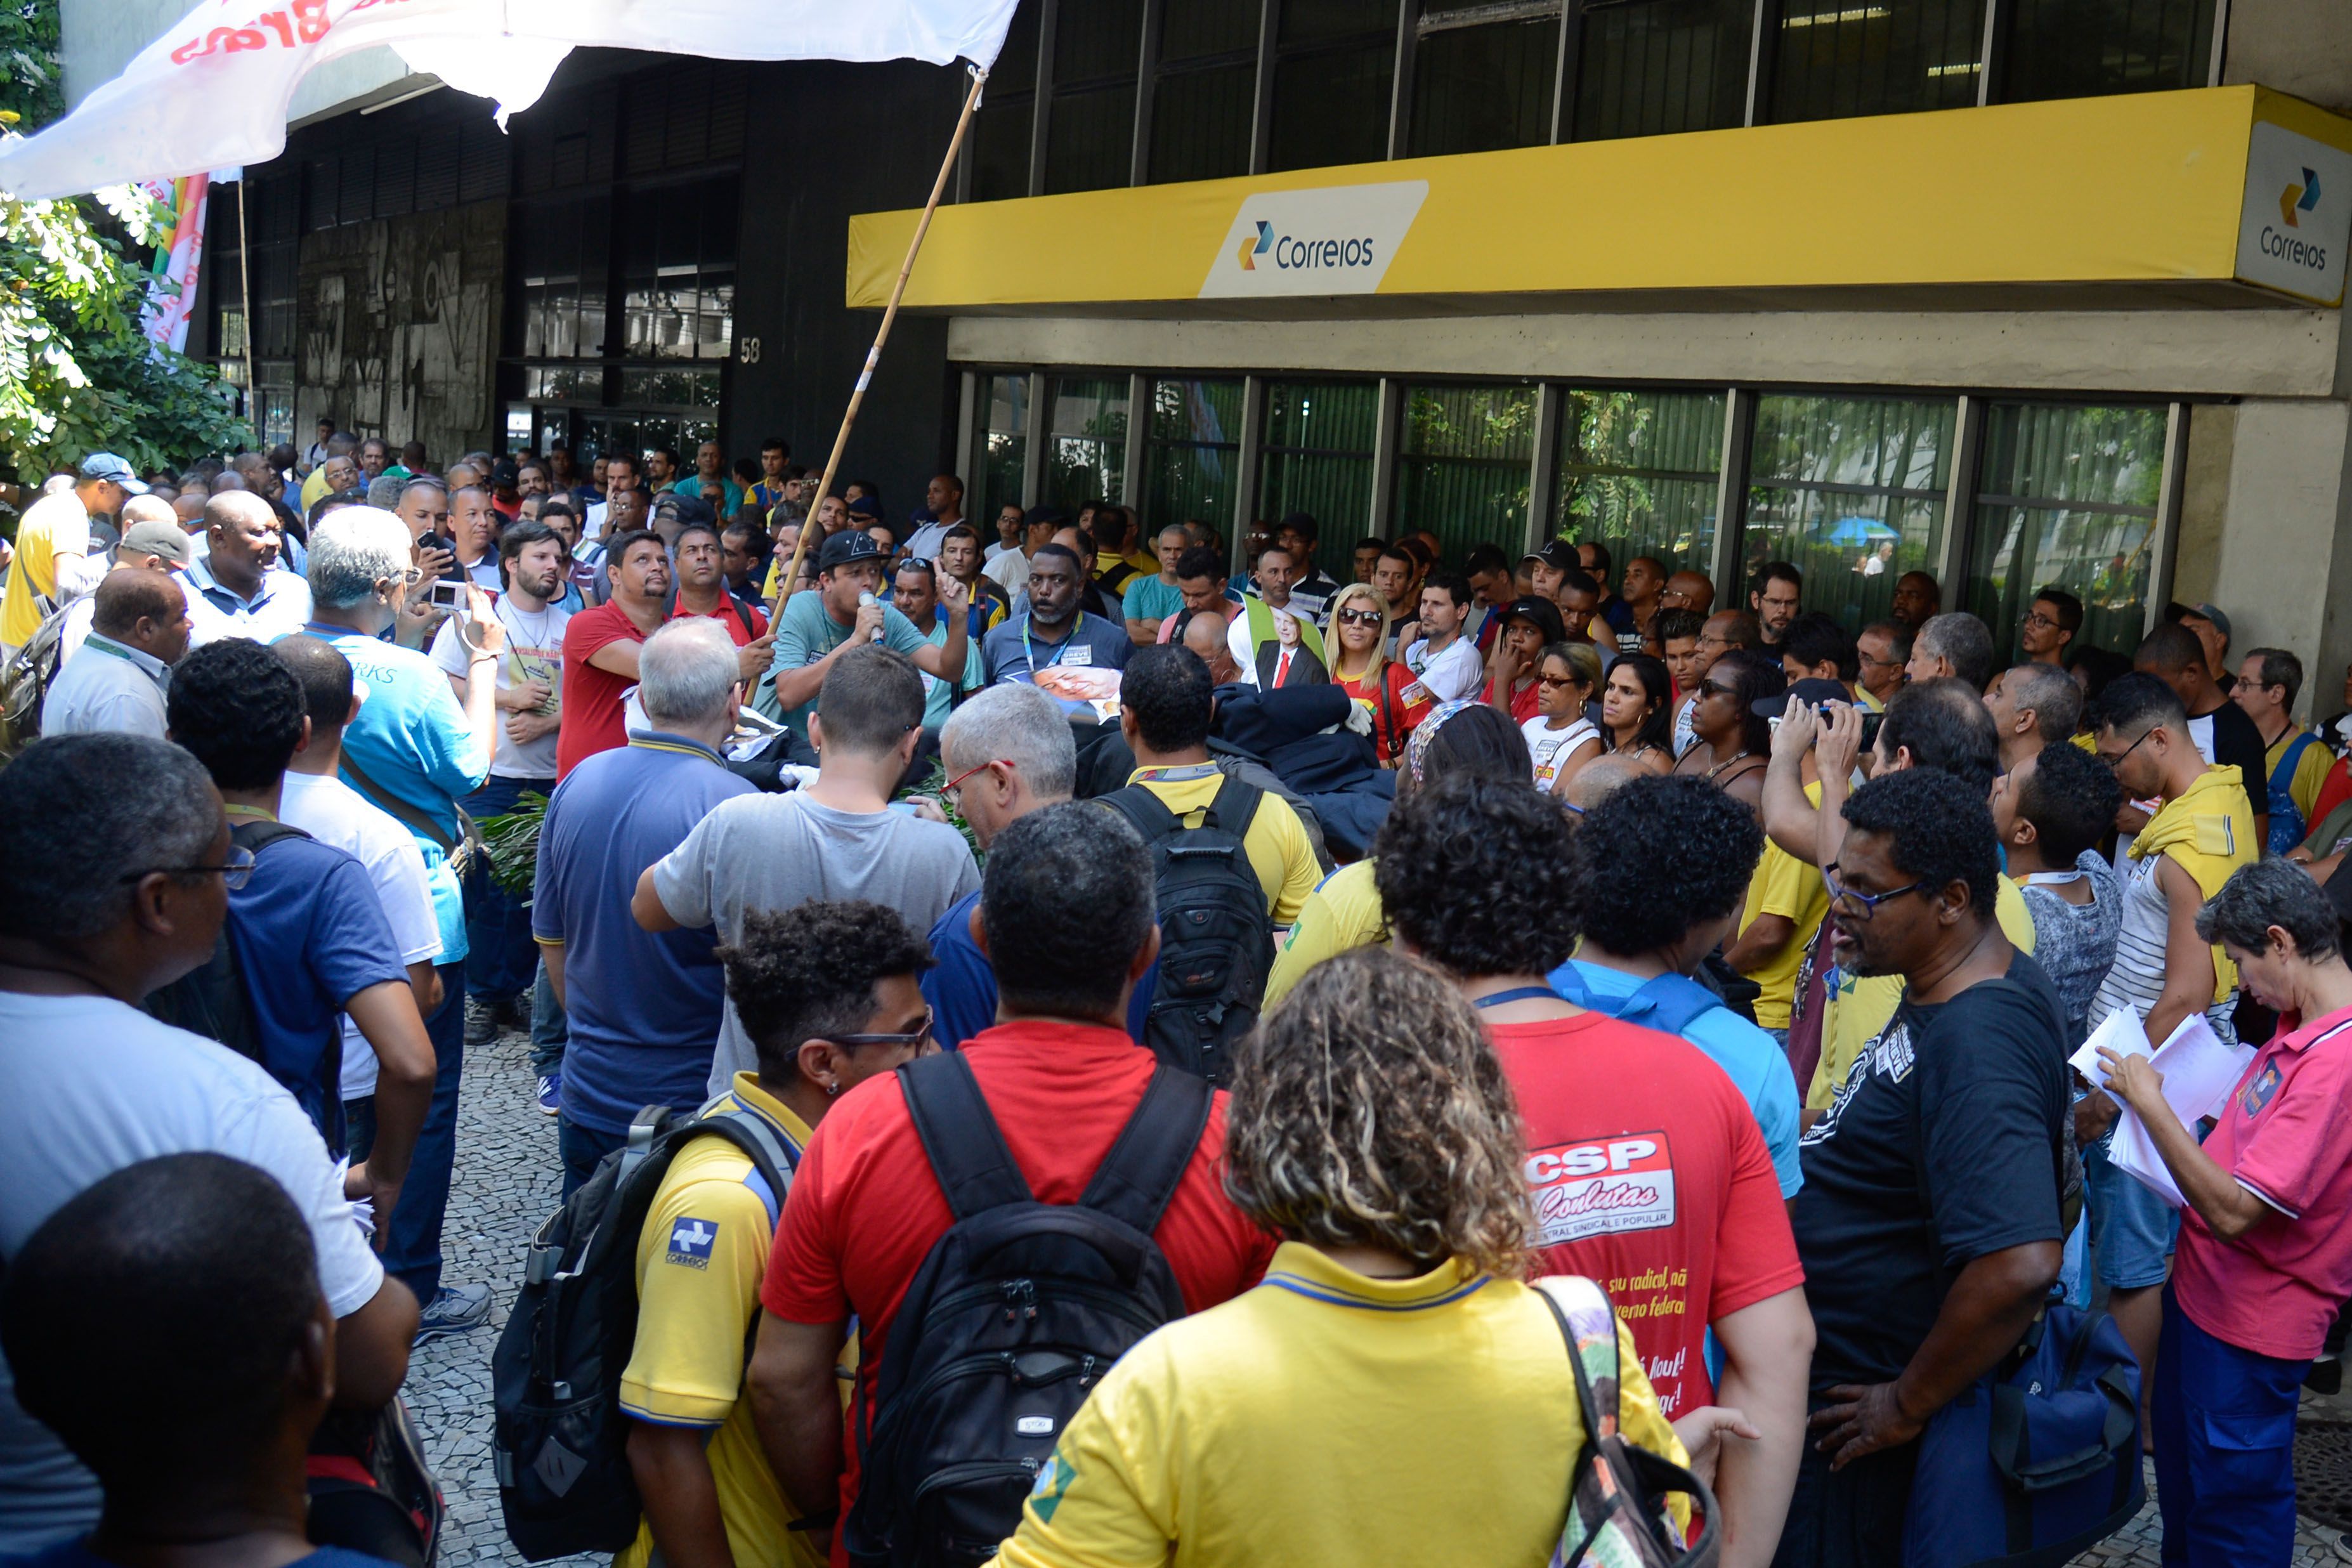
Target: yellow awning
x,y
2214,185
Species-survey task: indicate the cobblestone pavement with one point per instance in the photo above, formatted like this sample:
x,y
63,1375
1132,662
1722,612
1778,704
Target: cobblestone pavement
x,y
507,1174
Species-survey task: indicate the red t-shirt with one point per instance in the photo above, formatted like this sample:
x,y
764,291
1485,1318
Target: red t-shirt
x,y
1650,1176
1392,717
1525,702
2284,1136
592,697
866,1209
727,614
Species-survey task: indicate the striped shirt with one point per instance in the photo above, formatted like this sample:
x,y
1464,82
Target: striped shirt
x,y
2136,977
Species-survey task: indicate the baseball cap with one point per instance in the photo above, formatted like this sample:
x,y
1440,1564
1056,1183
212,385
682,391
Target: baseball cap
x,y
1558,554
107,466
1542,614
1044,514
2213,613
164,539
1813,691
846,546
866,507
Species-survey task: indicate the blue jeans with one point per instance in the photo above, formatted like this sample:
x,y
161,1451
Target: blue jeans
x,y
2131,1228
550,1031
2224,1449
500,954
411,1252
582,1148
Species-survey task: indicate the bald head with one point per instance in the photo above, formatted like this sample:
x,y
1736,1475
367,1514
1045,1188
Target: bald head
x,y
1206,636
241,540
146,508
1597,779
226,481
1689,590
142,609
189,509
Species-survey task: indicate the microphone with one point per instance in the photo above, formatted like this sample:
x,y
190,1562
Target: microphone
x,y
865,599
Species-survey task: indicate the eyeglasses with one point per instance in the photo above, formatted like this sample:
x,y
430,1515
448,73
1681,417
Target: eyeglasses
x,y
235,871
915,1038
1359,618
2036,619
1881,663
1865,905
1551,680
2117,760
991,763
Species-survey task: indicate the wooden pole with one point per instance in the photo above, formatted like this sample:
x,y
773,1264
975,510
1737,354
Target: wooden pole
x,y
874,354
245,270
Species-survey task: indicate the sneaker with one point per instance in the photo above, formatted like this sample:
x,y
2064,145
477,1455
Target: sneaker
x,y
455,1309
550,1093
481,1022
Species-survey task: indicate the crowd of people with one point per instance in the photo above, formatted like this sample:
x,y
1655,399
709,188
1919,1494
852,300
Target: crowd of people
x,y
1536,920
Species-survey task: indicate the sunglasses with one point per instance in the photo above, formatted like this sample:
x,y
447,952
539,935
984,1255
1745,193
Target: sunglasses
x,y
914,1039
1551,680
1359,618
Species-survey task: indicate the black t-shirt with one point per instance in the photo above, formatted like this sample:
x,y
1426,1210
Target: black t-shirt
x,y
1943,1146
2237,743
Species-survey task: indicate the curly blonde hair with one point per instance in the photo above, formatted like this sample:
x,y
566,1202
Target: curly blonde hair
x,y
1369,1109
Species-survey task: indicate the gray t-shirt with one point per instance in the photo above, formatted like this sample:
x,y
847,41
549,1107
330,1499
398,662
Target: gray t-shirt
x,y
2076,943
774,851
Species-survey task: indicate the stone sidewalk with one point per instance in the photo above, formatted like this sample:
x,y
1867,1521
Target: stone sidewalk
x,y
506,1184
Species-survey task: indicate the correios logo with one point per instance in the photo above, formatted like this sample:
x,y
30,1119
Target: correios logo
x,y
2294,220
1332,239
2302,198
2299,197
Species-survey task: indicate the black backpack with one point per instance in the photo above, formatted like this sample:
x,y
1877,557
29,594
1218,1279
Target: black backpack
x,y
1018,1310
1216,941
214,999
26,677
560,1442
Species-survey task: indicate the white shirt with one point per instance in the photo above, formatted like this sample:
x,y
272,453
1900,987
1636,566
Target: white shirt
x,y
1449,676
1550,747
592,526
925,541
111,689
89,1086
1009,571
279,607
534,652
332,812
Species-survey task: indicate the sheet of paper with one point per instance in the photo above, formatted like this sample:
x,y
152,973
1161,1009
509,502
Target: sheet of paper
x,y
2200,1070
2119,1031
2134,1152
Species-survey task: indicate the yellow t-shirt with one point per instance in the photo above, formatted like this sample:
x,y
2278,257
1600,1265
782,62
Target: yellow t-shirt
x,y
313,487
700,1259
1860,1005
1278,847
1329,1420
2310,771
1784,885
54,526
1342,914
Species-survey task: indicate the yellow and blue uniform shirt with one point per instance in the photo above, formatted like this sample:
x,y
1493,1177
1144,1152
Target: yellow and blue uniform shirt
x,y
1276,842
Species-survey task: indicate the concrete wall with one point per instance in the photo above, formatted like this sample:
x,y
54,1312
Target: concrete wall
x,y
2302,47
399,321
101,36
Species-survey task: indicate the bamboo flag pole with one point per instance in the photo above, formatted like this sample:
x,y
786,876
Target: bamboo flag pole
x,y
245,270
874,354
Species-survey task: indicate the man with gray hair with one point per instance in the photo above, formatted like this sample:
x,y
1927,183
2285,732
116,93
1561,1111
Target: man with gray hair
x,y
1008,752
644,1005
1957,645
114,853
836,838
414,753
2033,705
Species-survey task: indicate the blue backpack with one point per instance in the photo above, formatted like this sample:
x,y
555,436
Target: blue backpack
x,y
2037,1461
2287,827
1667,1003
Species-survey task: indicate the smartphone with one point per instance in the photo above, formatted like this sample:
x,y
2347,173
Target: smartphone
x,y
447,595
1869,722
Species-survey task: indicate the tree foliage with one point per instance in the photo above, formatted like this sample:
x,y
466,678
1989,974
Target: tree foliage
x,y
77,373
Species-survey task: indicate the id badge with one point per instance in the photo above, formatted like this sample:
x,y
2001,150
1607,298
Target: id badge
x,y
1077,656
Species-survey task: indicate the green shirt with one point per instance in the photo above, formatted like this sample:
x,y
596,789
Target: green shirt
x,y
1149,599
805,634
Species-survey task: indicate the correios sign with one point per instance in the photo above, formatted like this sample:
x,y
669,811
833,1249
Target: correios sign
x,y
1331,240
2296,222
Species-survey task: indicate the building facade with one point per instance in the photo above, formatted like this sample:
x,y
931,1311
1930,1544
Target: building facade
x,y
2013,291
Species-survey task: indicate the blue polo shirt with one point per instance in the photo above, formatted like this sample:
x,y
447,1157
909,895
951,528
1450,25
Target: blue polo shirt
x,y
411,740
1014,651
1752,1058
644,1007
308,933
961,986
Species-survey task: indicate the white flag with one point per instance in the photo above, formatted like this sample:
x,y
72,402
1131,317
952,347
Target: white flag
x,y
214,89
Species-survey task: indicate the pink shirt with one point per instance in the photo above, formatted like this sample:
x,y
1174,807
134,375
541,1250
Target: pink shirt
x,y
2285,1133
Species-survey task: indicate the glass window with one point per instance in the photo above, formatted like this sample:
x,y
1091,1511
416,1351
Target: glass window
x,y
1478,88
1003,441
1850,491
1638,473
1194,454
1335,63
1838,57
1206,92
1651,67
1464,463
2067,496
2081,49
1000,132
1090,126
1085,441
671,388
1317,458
